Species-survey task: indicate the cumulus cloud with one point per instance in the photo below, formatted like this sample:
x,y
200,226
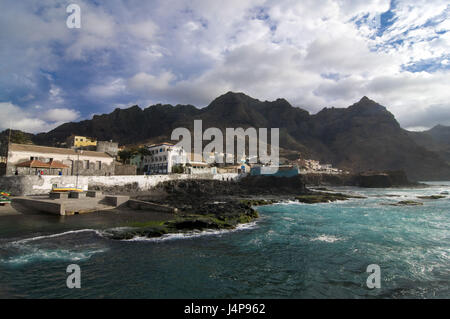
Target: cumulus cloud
x,y
61,115
150,83
33,120
314,53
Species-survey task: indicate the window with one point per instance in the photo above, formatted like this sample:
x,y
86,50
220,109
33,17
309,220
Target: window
x,y
160,150
99,165
86,164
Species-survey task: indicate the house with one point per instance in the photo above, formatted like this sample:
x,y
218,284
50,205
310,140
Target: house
x,y
137,161
163,158
221,158
76,141
194,166
30,159
239,169
167,158
109,147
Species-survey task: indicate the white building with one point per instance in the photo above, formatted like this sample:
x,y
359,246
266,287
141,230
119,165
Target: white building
x,y
25,159
220,158
163,158
166,158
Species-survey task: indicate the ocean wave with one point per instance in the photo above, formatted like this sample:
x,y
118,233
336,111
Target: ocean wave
x,y
327,238
27,240
50,255
37,248
290,202
193,234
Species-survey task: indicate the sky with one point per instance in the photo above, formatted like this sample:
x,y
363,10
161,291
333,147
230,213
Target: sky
x,y
315,54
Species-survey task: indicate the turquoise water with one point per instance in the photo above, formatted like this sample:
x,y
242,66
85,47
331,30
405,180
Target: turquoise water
x,y
293,251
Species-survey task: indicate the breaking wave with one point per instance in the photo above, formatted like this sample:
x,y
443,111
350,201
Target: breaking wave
x,y
193,234
45,248
50,255
326,238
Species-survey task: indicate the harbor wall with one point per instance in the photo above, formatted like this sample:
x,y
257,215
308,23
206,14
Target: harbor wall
x,y
35,185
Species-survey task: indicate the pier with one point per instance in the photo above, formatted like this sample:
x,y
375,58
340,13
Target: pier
x,y
74,203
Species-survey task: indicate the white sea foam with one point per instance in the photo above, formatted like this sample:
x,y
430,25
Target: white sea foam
x,y
326,238
290,202
26,240
29,251
47,255
193,234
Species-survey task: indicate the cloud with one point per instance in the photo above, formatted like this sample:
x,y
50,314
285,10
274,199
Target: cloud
x,y
111,88
14,117
33,120
314,53
61,115
145,30
150,83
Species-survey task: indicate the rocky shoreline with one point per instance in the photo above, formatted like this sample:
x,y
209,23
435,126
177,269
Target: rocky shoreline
x,y
370,179
214,205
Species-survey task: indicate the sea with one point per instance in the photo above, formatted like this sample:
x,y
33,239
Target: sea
x,y
293,250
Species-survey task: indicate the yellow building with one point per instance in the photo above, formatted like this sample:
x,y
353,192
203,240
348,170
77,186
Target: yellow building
x,y
80,141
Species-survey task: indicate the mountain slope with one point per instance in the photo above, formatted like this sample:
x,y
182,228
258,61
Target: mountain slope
x,y
361,137
437,139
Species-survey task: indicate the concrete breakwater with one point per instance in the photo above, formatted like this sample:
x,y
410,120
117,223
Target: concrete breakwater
x,y
36,185
87,204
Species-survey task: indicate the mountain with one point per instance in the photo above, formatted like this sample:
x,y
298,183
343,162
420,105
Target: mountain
x,y
364,136
436,139
16,136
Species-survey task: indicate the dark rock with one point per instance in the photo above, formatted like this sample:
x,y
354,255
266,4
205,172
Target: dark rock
x,y
319,197
431,197
407,203
383,179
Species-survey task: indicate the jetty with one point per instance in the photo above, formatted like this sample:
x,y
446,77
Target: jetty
x,y
74,203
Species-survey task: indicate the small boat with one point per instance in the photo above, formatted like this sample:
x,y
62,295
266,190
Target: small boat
x,y
66,189
5,198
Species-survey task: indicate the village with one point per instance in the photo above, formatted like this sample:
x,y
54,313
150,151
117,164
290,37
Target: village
x,y
70,179
84,156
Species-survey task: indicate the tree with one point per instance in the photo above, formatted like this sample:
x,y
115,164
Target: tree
x,y
143,151
125,156
178,169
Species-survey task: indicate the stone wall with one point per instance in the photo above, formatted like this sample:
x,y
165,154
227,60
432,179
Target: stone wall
x,y
33,185
110,148
121,169
93,168
146,182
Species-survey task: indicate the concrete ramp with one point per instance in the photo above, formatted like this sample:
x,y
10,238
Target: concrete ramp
x,y
71,206
63,206
42,205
